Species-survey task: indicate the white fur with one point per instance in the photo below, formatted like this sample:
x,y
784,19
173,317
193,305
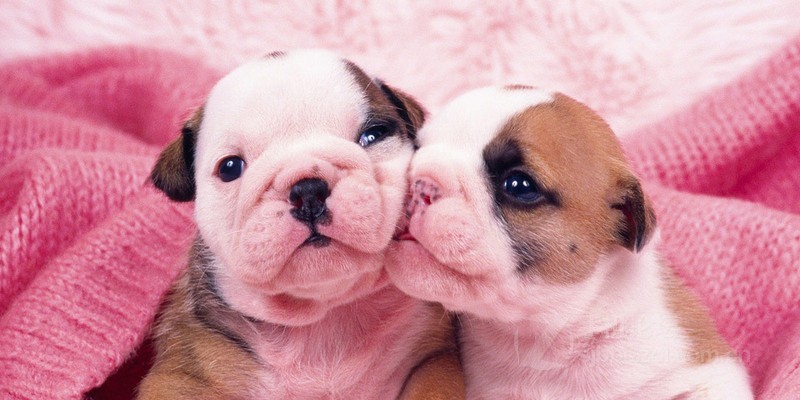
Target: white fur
x,y
251,107
641,353
332,326
455,148
609,336
456,126
286,130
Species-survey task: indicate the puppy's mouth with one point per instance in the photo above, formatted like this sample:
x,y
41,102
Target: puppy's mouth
x,y
404,234
316,239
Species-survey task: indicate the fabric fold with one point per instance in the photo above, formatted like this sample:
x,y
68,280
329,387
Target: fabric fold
x,y
88,248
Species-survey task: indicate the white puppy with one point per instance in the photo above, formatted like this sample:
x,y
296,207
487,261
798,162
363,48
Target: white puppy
x,y
297,164
526,219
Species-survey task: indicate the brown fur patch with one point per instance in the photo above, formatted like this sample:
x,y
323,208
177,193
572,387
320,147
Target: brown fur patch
x,y
201,355
389,105
576,159
639,218
173,173
439,375
194,361
694,321
439,335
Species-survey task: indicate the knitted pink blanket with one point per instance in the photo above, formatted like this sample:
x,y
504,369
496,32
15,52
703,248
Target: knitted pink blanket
x,y
87,248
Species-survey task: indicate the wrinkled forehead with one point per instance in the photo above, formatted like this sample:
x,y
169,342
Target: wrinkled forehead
x,y
285,95
474,119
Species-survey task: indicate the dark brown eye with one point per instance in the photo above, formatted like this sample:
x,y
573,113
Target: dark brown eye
x,y
522,187
372,135
230,168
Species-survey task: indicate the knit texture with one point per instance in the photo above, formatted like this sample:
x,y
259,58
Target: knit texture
x,y
725,177
87,248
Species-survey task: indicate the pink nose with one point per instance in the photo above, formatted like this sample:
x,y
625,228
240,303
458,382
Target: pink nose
x,y
424,193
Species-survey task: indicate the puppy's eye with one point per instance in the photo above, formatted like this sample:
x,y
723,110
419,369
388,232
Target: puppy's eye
x,y
522,187
230,168
372,135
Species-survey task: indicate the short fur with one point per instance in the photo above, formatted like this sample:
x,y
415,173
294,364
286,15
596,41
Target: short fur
x,y
264,311
562,296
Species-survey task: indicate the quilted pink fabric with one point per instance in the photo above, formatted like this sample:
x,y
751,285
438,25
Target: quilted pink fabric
x,y
87,248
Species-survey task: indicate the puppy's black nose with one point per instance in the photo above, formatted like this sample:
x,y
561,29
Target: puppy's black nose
x,y
307,197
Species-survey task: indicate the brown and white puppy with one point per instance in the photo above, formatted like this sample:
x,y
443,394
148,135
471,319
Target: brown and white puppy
x,y
526,219
297,165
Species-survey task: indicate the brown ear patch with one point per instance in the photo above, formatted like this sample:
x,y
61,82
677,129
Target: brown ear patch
x,y
173,173
639,220
388,104
409,109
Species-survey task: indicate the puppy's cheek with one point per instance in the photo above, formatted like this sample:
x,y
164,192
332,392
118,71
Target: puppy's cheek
x,y
393,184
413,270
355,207
449,229
267,240
215,217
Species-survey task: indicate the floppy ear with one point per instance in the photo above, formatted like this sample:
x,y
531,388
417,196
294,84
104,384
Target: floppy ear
x,y
173,173
412,113
638,218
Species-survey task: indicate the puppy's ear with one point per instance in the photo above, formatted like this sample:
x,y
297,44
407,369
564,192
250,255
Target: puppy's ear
x,y
412,113
173,173
638,218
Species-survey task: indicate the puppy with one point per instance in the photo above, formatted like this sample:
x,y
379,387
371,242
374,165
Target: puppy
x,y
526,220
297,166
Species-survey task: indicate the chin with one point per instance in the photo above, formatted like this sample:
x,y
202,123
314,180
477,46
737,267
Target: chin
x,y
417,272
335,272
313,280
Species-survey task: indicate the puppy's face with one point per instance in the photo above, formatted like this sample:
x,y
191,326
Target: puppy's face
x,y
297,166
519,198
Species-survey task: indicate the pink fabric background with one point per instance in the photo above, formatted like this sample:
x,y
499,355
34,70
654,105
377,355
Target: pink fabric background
x,y
634,61
87,248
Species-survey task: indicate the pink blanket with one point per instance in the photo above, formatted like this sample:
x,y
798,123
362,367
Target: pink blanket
x,y
87,248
